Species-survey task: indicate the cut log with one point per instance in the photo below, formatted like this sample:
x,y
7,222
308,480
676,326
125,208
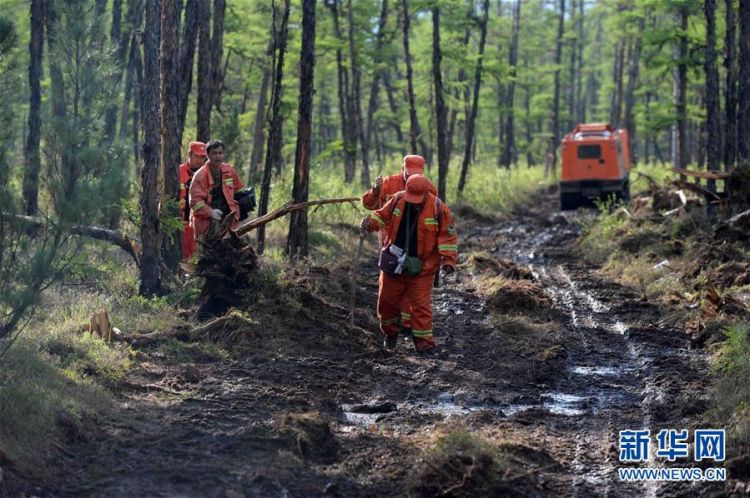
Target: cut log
x,y
708,175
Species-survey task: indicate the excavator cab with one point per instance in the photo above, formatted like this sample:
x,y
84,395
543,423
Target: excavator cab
x,y
595,165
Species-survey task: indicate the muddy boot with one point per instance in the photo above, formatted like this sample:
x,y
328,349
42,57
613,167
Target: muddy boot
x,y
406,331
390,342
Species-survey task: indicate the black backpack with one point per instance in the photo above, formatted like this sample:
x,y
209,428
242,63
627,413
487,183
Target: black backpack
x,y
246,200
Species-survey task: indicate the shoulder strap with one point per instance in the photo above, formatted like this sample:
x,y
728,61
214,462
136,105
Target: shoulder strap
x,y
398,198
438,215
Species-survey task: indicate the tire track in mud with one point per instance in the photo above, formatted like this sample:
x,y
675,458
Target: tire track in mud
x,y
617,357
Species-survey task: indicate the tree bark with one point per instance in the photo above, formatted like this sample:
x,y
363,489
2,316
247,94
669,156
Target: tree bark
x,y
187,60
730,92
580,100
470,140
679,129
135,13
150,269
273,150
217,51
203,105
119,42
615,114
440,109
713,118
297,244
394,107
170,132
573,48
31,152
375,86
357,123
415,131
743,90
344,100
633,74
256,156
551,160
507,153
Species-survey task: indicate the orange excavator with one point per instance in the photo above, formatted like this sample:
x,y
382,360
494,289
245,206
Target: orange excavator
x,y
595,165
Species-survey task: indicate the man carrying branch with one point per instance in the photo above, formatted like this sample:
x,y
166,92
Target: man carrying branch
x,y
212,191
420,236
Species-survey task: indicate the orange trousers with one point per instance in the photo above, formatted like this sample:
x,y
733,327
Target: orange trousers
x,y
393,292
188,242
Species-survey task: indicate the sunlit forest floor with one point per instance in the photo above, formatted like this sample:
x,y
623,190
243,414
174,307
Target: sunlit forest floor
x,y
558,330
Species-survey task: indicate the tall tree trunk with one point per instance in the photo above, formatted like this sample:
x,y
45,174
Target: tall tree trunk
x,y
633,72
203,106
440,109
551,160
375,86
592,83
470,139
571,87
509,127
461,85
344,99
187,60
256,156
297,241
730,93
31,152
415,130
615,115
273,150
580,100
217,51
394,107
170,132
743,90
150,268
120,43
357,123
527,108
713,117
135,14
679,129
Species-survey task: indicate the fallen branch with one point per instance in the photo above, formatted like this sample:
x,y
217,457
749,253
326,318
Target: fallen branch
x,y
131,246
287,208
708,175
698,189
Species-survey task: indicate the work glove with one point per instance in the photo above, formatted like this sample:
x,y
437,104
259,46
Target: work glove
x,y
378,182
364,226
217,214
448,270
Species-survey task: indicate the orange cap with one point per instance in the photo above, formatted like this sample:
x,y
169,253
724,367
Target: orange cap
x,y
198,148
413,165
416,189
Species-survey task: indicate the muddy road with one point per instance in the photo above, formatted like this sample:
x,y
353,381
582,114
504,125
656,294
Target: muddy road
x,y
541,358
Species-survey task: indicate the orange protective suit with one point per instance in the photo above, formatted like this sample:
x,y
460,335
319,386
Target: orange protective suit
x,y
188,236
377,198
436,245
200,196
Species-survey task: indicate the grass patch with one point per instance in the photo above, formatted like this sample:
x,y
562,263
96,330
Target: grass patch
x,y
731,397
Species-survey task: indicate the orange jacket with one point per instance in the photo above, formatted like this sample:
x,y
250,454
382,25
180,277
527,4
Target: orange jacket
x,y
200,196
186,176
391,186
436,239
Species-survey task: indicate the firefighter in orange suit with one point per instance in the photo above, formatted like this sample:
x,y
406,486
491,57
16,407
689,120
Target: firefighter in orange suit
x,y
212,191
381,192
421,225
196,159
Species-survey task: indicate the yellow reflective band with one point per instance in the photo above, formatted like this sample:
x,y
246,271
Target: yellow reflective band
x,y
182,186
182,203
421,333
430,221
405,316
396,212
229,181
389,321
377,219
198,206
446,247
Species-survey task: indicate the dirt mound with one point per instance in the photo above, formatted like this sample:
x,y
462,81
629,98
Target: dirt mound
x,y
517,297
510,470
465,212
228,265
308,436
730,274
484,263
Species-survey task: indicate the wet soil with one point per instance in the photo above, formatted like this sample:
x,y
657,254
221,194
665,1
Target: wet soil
x,y
307,405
